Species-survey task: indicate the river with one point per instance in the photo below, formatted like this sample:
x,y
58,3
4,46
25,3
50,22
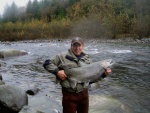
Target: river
x,y
126,90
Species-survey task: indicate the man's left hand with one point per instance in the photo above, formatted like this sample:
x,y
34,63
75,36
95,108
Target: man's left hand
x,y
108,71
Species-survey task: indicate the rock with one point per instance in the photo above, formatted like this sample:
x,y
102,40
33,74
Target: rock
x,y
11,53
31,89
1,82
2,64
28,109
1,77
12,98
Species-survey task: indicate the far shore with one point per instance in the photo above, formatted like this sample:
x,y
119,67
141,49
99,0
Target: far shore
x,y
119,40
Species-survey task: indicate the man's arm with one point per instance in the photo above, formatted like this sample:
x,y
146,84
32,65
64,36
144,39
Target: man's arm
x,y
51,66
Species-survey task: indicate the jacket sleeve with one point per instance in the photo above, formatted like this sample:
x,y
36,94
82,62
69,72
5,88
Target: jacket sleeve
x,y
51,65
103,75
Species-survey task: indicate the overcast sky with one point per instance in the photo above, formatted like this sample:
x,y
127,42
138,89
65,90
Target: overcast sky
x,y
19,3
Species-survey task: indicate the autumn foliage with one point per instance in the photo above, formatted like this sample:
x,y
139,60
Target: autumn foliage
x,y
86,18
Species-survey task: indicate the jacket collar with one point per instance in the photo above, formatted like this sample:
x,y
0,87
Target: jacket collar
x,y
72,57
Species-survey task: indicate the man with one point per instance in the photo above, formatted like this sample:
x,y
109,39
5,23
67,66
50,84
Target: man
x,y
77,99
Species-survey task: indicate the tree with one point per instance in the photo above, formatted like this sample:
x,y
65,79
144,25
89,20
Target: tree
x,y
44,4
71,2
142,8
80,9
35,9
0,17
11,13
44,10
29,7
14,12
32,10
6,14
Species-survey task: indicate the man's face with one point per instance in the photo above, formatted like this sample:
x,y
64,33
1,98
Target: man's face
x,y
77,48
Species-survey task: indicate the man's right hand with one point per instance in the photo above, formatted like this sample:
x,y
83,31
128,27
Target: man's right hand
x,y
61,75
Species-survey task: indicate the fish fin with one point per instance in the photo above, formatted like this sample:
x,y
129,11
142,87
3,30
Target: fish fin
x,y
57,80
56,111
86,84
73,84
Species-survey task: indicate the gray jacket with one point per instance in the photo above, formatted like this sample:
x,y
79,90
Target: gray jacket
x,y
67,60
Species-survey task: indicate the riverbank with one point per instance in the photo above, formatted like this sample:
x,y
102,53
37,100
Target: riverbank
x,y
127,40
120,40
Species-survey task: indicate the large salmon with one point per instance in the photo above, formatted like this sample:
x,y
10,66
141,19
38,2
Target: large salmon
x,y
88,73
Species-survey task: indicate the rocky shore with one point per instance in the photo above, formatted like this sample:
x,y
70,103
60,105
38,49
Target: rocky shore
x,y
126,40
120,40
13,99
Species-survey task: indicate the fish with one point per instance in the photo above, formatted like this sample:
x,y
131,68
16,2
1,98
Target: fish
x,y
87,74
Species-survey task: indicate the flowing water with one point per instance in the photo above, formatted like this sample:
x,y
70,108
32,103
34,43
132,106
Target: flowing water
x,y
126,90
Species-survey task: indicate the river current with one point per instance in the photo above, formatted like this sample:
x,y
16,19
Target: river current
x,y
126,90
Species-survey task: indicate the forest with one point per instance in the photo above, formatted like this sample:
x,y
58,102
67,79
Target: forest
x,y
99,19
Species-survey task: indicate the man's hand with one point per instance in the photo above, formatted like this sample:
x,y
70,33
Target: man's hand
x,y
61,75
108,71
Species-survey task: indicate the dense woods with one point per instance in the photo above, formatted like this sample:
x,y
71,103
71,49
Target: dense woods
x,y
66,18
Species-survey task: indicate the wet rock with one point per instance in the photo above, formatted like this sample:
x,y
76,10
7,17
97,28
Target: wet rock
x,y
1,77
2,64
1,82
11,53
28,109
12,98
31,89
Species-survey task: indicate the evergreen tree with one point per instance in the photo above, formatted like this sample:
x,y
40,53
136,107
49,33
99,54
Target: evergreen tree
x,y
14,12
11,13
35,9
29,7
6,14
44,4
